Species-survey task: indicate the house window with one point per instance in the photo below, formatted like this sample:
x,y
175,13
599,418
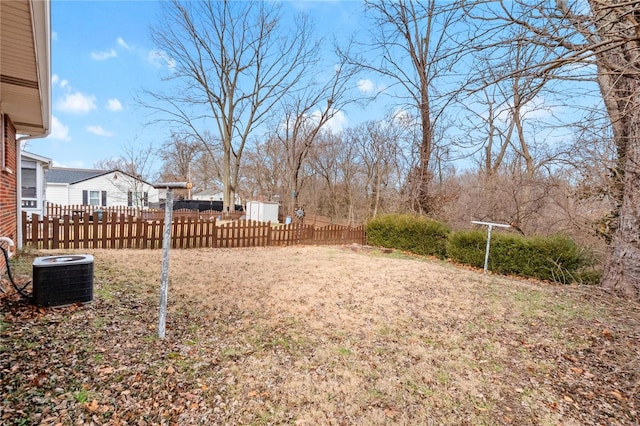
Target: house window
x,y
137,199
94,198
29,193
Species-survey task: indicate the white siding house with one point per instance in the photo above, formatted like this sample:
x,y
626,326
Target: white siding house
x,y
102,188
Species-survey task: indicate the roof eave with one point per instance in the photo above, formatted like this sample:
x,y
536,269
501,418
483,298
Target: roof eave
x,y
41,24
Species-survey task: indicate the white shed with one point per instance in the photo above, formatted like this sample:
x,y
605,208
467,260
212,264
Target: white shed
x,y
262,211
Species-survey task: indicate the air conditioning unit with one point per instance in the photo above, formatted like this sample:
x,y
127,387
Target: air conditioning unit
x,y
62,280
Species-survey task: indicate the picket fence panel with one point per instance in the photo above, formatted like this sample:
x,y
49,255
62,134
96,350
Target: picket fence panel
x,y
59,211
119,231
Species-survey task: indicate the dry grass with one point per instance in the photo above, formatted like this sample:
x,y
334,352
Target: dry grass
x,y
321,335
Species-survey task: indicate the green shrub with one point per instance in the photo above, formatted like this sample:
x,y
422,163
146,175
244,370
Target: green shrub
x,y
415,234
589,276
467,247
555,258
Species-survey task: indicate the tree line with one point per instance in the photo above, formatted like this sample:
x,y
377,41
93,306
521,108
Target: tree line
x,y
517,111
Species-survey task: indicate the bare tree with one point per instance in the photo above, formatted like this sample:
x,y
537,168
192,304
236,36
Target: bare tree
x,y
265,170
600,37
325,161
234,61
303,115
377,144
414,51
138,161
179,154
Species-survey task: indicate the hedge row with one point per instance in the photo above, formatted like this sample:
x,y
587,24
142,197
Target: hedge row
x,y
556,258
417,235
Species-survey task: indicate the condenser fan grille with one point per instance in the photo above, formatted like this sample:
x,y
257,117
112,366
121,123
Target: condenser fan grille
x,y
62,280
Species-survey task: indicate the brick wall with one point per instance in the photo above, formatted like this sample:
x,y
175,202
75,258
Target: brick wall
x,y
8,183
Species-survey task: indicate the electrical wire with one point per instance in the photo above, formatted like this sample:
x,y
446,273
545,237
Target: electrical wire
x,y
19,289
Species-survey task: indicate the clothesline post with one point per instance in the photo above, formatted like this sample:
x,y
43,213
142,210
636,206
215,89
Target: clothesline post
x,y
489,226
166,245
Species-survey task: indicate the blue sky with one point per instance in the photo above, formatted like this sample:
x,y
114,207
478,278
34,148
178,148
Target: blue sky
x,y
102,56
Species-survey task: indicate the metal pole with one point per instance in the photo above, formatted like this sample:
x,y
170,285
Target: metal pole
x,y
489,225
164,276
486,254
166,245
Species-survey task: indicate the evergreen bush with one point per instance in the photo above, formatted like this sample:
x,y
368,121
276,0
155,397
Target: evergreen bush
x,y
415,234
555,258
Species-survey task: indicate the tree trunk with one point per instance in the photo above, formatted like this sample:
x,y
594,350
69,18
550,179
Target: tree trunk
x,y
425,200
619,80
226,178
622,271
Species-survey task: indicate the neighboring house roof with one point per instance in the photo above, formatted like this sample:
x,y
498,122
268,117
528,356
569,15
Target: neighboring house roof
x,y
36,157
25,64
72,176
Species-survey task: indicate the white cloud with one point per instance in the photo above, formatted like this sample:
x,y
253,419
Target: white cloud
x,y
338,122
123,44
365,85
77,103
368,87
536,108
57,81
403,117
114,105
76,164
103,56
158,59
59,130
98,131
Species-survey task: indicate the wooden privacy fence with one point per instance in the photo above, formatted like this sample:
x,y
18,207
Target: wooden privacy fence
x,y
119,231
57,210
60,211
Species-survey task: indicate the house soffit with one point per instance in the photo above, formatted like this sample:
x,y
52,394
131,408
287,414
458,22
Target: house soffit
x,y
25,64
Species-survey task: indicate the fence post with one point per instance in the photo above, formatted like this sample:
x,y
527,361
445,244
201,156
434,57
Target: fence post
x,y
269,234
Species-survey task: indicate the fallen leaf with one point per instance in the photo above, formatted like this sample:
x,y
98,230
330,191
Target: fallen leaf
x,y
390,413
39,380
106,370
92,406
617,395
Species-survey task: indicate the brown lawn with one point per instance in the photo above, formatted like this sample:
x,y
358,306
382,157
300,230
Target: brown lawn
x,y
319,336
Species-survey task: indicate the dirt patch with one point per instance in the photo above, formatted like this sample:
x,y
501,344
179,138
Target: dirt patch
x,y
319,335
